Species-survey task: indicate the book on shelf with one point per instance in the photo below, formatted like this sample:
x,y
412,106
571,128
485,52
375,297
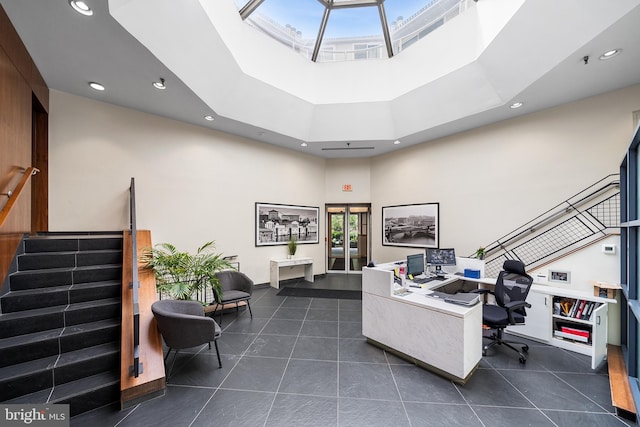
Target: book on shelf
x,y
580,304
588,308
570,336
575,331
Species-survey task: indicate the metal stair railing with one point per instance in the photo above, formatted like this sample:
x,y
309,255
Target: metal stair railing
x,y
581,220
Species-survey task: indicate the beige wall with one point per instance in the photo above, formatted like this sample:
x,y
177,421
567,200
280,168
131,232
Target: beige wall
x,y
491,180
194,184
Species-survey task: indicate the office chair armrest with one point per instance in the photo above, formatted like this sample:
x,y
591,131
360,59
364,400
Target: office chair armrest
x,y
513,306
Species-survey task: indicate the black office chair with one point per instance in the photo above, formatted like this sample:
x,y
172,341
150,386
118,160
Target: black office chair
x,y
512,288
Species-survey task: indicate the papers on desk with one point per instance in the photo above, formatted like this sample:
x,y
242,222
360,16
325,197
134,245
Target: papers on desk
x,y
460,298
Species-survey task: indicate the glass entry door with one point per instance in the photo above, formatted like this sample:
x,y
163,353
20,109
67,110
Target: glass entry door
x,y
348,238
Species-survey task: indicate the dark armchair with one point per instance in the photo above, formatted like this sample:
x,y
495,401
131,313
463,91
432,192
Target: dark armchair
x,y
236,287
183,324
512,288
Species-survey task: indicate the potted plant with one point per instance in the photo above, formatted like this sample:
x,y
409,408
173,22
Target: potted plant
x,y
183,275
292,245
480,252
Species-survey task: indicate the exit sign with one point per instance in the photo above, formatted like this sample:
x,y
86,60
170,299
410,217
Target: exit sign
x,y
346,187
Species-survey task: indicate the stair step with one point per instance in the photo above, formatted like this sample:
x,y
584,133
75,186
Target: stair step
x,y
92,311
30,377
32,279
86,362
27,347
89,291
23,348
27,377
46,260
35,298
48,243
30,321
58,295
42,319
82,395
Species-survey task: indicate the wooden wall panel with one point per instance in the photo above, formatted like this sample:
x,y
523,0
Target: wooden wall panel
x,y
15,142
20,84
17,52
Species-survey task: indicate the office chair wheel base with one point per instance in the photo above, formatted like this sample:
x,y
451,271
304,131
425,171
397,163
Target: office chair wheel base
x,y
523,360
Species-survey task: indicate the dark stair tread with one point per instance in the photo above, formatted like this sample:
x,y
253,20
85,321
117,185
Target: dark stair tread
x,y
78,387
34,337
94,303
63,269
37,291
22,369
25,314
87,353
50,362
57,333
55,235
67,259
71,389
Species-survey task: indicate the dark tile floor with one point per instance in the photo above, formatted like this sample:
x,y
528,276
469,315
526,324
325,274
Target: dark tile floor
x,y
304,362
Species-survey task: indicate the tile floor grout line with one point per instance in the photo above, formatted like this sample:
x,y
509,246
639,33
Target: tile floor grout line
x,y
284,372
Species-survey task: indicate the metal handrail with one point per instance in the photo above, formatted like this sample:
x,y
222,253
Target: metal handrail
x,y
577,206
15,194
136,369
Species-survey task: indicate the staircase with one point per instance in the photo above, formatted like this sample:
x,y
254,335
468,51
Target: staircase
x,y
60,322
585,218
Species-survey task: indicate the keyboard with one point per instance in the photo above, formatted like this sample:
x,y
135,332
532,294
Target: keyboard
x,y
421,280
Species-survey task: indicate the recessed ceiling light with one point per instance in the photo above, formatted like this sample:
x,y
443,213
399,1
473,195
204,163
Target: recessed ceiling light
x,y
81,7
304,144
209,118
396,142
516,105
160,84
610,54
96,86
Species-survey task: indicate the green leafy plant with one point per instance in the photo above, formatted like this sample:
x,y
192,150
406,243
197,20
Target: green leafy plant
x,y
183,275
292,245
480,253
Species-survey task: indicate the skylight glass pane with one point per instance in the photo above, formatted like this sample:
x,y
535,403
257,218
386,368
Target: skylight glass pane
x,y
353,34
292,23
411,20
354,29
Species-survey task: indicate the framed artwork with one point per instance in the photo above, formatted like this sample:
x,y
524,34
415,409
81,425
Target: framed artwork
x,y
411,225
276,224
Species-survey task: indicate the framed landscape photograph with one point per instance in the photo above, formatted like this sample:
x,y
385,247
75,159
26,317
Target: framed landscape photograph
x,y
411,225
276,224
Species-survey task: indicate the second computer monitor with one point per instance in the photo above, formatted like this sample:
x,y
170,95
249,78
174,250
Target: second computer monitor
x,y
440,257
415,264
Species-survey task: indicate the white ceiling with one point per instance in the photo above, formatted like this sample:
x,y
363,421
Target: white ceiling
x,y
464,75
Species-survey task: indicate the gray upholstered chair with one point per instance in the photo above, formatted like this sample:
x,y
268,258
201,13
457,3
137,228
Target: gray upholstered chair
x,y
236,287
183,324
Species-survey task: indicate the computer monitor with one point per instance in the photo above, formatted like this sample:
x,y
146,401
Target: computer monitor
x,y
440,257
415,264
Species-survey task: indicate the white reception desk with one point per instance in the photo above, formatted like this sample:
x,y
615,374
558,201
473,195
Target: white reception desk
x,y
443,337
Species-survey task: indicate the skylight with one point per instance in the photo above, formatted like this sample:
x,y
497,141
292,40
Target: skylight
x,y
345,30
